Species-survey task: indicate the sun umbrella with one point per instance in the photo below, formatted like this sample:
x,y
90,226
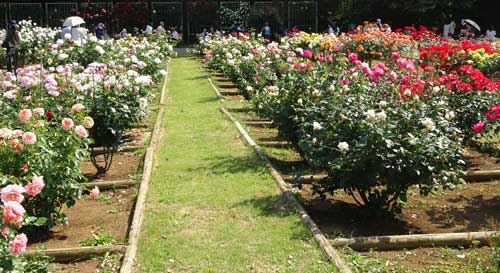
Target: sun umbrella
x,y
472,24
73,21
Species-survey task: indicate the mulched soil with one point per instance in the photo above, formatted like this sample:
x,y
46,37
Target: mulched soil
x,y
108,216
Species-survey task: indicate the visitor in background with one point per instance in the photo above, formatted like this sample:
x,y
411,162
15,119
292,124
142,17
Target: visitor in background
x,y
100,31
266,31
491,33
10,42
135,31
204,34
78,33
451,30
161,28
378,24
148,30
123,33
174,35
65,30
386,28
335,29
446,30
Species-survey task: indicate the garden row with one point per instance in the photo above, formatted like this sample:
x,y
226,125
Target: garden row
x,y
375,129
75,105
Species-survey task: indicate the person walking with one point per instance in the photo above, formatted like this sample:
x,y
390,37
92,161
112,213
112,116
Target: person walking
x,y
266,31
78,33
161,29
11,42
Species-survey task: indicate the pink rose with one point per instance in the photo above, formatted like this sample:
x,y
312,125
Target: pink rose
x,y
29,138
353,57
5,231
5,133
38,111
18,245
35,186
77,107
94,193
17,133
13,211
25,115
479,127
307,54
81,131
12,193
88,122
67,123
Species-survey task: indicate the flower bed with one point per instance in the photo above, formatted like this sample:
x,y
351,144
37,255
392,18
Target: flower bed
x,y
86,95
378,129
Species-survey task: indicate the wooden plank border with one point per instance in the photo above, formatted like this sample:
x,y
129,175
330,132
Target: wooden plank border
x,y
138,214
77,253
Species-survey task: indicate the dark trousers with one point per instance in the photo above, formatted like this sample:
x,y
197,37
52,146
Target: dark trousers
x,y
12,59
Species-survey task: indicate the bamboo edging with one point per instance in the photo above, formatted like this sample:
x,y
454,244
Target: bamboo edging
x,y
128,148
324,244
417,241
76,253
138,216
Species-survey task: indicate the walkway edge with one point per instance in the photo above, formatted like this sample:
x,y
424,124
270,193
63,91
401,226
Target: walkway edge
x,y
135,227
332,255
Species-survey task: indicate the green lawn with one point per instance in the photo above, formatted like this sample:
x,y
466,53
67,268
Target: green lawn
x,y
212,207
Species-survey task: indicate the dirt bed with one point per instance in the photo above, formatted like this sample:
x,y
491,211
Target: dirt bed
x,y
124,166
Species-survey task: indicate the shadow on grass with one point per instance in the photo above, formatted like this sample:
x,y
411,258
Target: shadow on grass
x,y
220,165
277,206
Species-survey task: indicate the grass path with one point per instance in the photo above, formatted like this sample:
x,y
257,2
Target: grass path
x,y
211,206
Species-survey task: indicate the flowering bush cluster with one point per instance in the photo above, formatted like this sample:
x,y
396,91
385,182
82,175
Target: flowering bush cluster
x,y
376,129
85,95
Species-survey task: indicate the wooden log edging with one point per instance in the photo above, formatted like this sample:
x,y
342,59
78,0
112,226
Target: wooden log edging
x,y
128,148
332,255
478,176
138,213
107,185
417,241
77,253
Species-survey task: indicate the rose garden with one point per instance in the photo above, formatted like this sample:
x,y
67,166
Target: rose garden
x,y
367,151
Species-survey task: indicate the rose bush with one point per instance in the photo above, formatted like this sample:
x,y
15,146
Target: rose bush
x,y
377,129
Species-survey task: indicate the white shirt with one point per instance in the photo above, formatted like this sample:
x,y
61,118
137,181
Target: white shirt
x,y
78,34
491,35
446,30
174,35
148,30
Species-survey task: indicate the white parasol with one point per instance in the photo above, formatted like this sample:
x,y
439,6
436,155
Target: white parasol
x,y
73,21
472,24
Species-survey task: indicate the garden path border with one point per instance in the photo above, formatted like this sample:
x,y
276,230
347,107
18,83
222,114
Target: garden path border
x,y
138,213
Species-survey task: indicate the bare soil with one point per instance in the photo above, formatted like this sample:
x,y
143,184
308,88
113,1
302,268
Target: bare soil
x,y
123,167
89,266
88,217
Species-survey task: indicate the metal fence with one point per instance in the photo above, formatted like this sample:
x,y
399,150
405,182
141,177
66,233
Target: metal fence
x,y
26,11
303,15
57,12
3,15
168,12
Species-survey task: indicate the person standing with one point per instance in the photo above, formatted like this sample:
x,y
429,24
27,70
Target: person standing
x,y
452,26
266,31
11,42
174,35
161,28
78,33
491,33
123,33
100,31
148,30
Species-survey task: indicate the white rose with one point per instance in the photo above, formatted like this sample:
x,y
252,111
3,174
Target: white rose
x,y
428,124
67,36
436,89
370,114
450,115
382,104
343,147
317,126
381,116
62,56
